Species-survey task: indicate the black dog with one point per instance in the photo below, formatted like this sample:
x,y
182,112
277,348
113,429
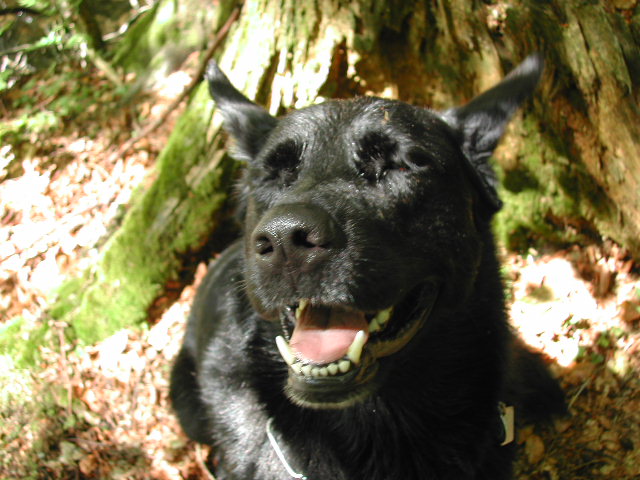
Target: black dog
x,y
358,331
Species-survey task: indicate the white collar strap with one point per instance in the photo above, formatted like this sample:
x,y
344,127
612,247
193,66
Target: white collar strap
x,y
280,453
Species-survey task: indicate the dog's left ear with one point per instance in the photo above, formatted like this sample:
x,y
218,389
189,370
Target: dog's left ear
x,y
481,122
248,123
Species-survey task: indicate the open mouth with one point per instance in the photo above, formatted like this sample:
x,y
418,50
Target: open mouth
x,y
332,351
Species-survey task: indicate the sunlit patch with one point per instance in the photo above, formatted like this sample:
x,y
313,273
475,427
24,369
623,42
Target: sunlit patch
x,y
173,85
554,310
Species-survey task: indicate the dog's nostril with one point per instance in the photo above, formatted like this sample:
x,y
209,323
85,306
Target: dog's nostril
x,y
263,245
302,238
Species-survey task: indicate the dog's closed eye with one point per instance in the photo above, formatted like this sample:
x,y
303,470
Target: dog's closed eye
x,y
418,157
282,162
376,155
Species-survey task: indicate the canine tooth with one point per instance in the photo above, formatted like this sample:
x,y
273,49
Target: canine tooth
x,y
332,368
355,350
297,368
383,316
344,366
302,304
306,370
285,350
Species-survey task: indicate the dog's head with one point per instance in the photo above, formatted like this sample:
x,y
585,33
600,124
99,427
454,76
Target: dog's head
x,y
361,215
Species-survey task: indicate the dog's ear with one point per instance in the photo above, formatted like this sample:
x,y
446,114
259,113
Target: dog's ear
x,y
481,122
248,123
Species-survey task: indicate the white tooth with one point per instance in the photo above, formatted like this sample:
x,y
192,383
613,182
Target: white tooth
x,y
383,316
355,350
344,366
381,319
285,350
297,368
306,370
315,372
333,368
324,372
373,326
302,304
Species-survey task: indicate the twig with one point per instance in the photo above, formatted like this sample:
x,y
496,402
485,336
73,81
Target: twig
x,y
194,81
577,394
102,65
21,48
66,380
125,27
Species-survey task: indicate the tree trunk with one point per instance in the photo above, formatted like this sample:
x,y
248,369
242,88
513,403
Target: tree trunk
x,y
570,165
90,26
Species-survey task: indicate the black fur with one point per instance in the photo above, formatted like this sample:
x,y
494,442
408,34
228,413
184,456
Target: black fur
x,y
359,206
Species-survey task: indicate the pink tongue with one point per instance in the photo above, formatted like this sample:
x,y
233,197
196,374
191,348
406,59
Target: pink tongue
x,y
324,334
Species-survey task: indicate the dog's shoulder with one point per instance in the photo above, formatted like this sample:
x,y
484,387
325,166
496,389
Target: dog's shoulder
x,y
219,301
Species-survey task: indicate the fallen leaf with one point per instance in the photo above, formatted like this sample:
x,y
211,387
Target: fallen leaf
x,y
534,449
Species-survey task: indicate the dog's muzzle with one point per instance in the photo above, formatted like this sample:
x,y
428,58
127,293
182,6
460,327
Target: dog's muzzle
x,y
333,350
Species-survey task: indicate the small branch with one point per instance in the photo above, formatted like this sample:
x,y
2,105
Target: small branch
x,y
19,11
62,361
125,27
577,394
104,67
90,25
26,47
220,35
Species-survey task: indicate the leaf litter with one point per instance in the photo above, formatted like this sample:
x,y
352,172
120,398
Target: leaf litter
x,y
103,411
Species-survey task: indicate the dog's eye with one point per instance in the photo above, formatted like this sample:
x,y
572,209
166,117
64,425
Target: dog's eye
x,y
376,155
283,161
419,157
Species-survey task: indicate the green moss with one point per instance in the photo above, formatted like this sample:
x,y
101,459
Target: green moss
x,y
548,197
169,221
137,45
21,340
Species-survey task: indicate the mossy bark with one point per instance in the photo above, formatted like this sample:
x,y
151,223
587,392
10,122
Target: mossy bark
x,y
163,233
581,142
576,146
570,164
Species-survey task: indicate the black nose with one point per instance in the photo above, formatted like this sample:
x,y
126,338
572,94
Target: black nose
x,y
299,236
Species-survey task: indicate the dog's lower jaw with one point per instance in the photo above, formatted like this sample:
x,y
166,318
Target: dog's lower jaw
x,y
337,393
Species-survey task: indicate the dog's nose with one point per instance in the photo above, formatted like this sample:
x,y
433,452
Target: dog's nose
x,y
299,236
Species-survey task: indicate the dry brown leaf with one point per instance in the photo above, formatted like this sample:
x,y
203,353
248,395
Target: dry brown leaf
x,y
534,449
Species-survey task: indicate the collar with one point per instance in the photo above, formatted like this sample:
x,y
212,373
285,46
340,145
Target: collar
x,y
507,420
280,453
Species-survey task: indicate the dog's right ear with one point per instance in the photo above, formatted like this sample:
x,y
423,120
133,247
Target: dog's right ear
x,y
481,123
248,123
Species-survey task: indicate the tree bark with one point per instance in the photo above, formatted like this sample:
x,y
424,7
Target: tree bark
x,y
90,26
570,164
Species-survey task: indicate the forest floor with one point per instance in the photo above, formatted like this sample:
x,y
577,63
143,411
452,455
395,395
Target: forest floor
x,y
102,411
